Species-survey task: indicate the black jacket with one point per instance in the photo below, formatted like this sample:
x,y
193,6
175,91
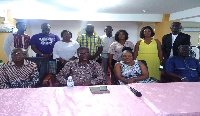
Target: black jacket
x,y
181,39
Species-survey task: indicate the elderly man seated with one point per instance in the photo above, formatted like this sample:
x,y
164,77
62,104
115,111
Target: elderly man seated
x,y
183,67
18,73
84,72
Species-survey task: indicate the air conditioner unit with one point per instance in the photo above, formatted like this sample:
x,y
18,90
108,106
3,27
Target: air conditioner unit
x,y
191,29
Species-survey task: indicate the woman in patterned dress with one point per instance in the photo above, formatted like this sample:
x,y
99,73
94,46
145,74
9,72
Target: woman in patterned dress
x,y
129,70
115,50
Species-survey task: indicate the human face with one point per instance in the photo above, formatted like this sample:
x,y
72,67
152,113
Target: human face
x,y
84,54
18,55
46,28
127,57
184,51
21,27
89,29
67,36
121,36
175,27
108,31
147,32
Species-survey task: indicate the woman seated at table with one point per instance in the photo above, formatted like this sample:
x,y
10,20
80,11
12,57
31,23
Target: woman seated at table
x,y
129,70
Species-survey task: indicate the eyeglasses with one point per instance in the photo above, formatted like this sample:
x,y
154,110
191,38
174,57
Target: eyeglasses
x,y
86,53
20,54
125,56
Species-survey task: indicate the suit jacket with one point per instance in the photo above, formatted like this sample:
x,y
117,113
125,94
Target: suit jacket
x,y
181,39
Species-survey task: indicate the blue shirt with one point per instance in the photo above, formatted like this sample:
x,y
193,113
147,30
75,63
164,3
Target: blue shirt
x,y
44,43
188,68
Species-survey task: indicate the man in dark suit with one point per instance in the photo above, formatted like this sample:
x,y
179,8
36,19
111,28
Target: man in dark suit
x,y
172,41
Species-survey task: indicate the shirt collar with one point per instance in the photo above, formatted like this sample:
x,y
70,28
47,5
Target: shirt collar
x,y
12,63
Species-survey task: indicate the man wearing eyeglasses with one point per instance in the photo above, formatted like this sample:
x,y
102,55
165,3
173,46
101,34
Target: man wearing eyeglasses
x,y
84,72
18,73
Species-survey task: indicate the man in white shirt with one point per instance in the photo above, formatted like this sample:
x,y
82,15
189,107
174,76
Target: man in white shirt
x,y
16,40
107,39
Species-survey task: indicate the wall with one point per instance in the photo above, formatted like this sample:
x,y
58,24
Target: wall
x,y
194,38
3,35
162,28
33,27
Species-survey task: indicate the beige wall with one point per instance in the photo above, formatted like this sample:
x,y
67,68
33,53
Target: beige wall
x,y
3,35
162,28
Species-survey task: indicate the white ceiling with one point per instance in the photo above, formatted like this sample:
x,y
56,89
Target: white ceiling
x,y
110,10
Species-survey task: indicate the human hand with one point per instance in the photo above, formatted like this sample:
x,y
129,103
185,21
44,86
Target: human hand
x,y
185,80
110,66
131,80
46,56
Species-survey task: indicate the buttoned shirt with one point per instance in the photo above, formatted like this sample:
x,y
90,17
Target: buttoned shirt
x,y
91,72
116,49
12,76
92,43
107,41
188,68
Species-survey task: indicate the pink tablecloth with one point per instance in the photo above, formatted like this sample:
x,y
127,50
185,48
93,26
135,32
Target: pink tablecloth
x,y
76,101
172,99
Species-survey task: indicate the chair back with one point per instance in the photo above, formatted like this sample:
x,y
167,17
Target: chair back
x,y
42,65
152,78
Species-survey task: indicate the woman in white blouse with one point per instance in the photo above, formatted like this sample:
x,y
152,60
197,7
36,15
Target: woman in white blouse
x,y
65,49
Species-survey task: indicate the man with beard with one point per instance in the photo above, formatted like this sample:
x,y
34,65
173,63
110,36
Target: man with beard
x,y
183,67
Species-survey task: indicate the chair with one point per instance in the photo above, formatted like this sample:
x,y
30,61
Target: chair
x,y
152,78
43,69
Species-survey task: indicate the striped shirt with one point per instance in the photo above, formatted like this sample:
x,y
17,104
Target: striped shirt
x,y
92,43
12,76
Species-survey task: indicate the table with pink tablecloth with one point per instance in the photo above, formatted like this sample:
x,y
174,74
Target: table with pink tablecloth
x,y
75,101
171,99
157,99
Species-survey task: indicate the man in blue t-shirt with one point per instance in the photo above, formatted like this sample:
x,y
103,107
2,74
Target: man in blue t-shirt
x,y
43,43
183,67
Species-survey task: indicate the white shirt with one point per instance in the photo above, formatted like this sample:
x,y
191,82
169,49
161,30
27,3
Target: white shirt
x,y
173,39
9,45
65,50
107,41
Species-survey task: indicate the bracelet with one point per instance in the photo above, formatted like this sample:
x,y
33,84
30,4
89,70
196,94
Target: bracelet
x,y
183,78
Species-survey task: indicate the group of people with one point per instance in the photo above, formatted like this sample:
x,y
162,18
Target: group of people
x,y
79,58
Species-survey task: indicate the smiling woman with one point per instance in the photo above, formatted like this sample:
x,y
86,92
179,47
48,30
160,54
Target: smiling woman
x,y
129,70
